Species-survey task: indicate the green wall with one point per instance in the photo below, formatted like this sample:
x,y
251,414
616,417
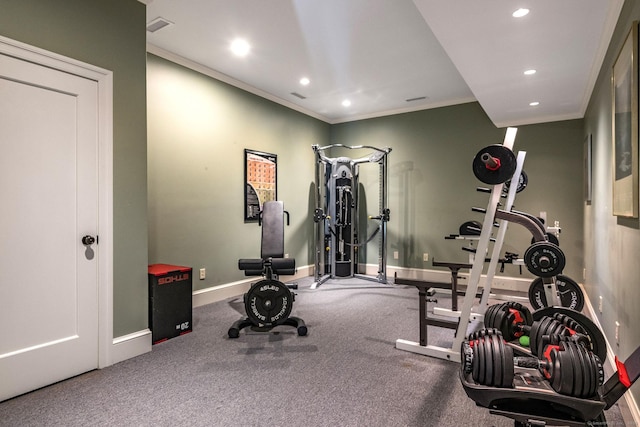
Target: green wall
x,y
199,128
612,244
432,187
110,34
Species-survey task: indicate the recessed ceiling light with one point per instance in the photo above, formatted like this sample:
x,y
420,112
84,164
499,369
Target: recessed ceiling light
x,y
534,103
304,81
346,103
240,47
520,13
529,72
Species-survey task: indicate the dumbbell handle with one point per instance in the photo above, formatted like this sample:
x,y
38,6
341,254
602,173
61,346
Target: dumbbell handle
x,y
528,362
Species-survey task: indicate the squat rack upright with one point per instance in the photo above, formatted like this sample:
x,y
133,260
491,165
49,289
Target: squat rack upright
x,y
337,214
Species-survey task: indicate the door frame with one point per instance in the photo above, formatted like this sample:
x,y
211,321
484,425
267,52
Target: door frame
x,y
104,79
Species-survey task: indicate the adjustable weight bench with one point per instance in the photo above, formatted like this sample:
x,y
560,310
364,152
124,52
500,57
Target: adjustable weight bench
x,y
268,302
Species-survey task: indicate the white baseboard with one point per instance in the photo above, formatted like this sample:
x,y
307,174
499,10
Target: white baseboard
x,y
234,289
130,345
628,397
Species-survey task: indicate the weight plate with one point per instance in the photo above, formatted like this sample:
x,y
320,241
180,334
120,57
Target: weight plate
x,y
508,371
597,343
579,369
544,259
494,174
487,359
571,295
593,369
268,303
523,180
489,316
470,228
498,360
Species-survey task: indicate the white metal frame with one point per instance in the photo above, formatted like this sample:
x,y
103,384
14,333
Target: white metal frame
x,y
453,353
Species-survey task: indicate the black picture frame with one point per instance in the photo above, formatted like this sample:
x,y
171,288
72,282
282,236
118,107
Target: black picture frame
x,y
260,182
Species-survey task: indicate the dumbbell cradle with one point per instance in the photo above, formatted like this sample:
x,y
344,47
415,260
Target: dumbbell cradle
x,y
570,368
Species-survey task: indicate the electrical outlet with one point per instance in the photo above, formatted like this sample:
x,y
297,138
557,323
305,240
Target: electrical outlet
x,y
600,305
203,273
395,254
425,257
617,333
286,255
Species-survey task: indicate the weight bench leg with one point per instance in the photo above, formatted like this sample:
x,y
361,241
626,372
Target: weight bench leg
x,y
297,323
234,330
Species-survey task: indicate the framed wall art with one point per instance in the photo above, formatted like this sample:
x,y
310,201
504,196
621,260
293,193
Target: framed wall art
x,y
625,127
260,182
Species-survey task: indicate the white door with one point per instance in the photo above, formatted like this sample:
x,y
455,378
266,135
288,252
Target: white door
x,y
48,202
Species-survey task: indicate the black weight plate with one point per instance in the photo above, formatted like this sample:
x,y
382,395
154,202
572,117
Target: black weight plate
x,y
497,317
483,333
537,332
489,316
587,370
485,359
268,303
551,238
599,370
597,342
502,173
497,360
488,361
481,357
470,228
523,180
500,321
555,369
593,366
508,371
571,295
544,259
565,365
579,369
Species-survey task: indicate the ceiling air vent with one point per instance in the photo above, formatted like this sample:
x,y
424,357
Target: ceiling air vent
x,y
420,98
298,95
158,24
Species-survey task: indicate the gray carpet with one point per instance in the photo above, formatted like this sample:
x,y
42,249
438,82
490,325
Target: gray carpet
x,y
345,372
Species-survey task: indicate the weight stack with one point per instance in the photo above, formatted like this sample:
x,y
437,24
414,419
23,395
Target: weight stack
x,y
170,290
343,269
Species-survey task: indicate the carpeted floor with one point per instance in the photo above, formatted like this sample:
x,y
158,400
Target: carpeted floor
x,y
345,372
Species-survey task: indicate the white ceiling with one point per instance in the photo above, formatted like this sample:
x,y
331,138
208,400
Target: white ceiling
x,y
381,53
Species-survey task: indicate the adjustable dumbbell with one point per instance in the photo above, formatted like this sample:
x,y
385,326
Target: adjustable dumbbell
x,y
514,320
570,368
510,318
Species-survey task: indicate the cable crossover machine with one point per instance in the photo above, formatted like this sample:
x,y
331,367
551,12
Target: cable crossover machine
x,y
337,213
